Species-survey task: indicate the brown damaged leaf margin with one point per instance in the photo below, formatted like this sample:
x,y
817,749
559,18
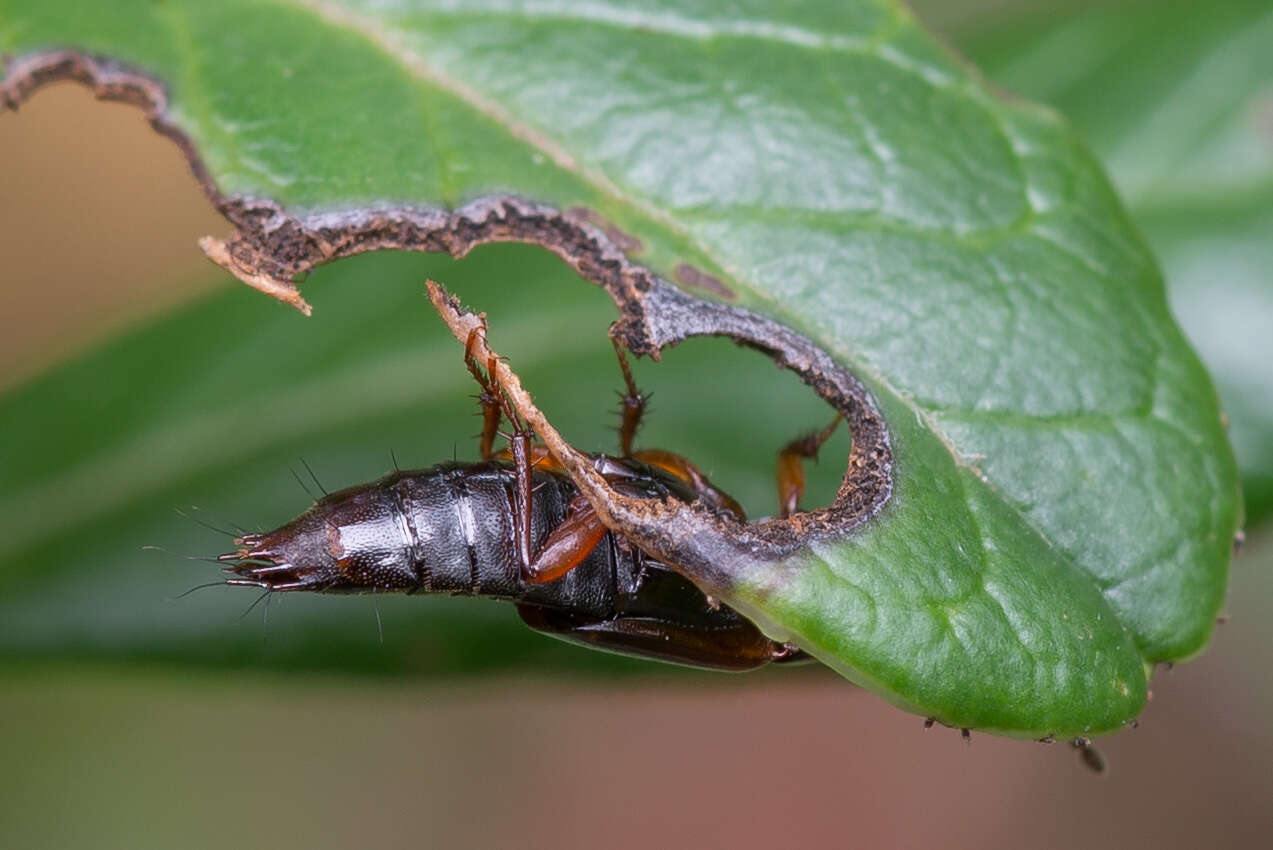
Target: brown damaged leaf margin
x,y
271,247
707,546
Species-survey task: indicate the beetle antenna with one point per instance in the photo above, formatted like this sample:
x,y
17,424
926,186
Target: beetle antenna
x,y
253,605
265,618
196,587
151,548
201,522
234,525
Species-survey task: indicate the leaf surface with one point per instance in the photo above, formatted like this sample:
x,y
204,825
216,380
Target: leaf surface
x,y
1177,100
1064,498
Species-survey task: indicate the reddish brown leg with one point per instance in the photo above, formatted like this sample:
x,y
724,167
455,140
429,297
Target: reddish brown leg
x,y
683,469
495,406
519,442
489,397
791,460
540,458
567,545
633,401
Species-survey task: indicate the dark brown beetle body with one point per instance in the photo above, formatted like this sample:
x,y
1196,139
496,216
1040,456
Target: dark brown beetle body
x,y
451,529
514,527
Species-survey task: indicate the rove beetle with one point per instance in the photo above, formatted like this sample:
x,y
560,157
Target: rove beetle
x,y
514,527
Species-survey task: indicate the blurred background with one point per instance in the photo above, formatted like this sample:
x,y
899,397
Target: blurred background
x,y
136,379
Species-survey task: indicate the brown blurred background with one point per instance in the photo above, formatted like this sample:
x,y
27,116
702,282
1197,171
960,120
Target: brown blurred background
x,y
98,221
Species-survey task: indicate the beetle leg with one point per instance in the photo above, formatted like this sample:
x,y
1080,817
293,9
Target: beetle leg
x,y
633,400
737,647
489,398
682,468
496,406
566,545
520,445
540,458
791,460
633,407
520,448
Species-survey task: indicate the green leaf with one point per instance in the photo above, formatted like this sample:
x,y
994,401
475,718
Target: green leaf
x,y
1064,498
1177,99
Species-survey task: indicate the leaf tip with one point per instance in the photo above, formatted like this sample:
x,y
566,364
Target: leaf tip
x,y
218,252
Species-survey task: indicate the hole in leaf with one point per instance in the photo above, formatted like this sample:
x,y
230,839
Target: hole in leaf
x,y
727,408
98,221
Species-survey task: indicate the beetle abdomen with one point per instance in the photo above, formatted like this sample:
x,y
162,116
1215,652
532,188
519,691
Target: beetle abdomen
x,y
458,524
